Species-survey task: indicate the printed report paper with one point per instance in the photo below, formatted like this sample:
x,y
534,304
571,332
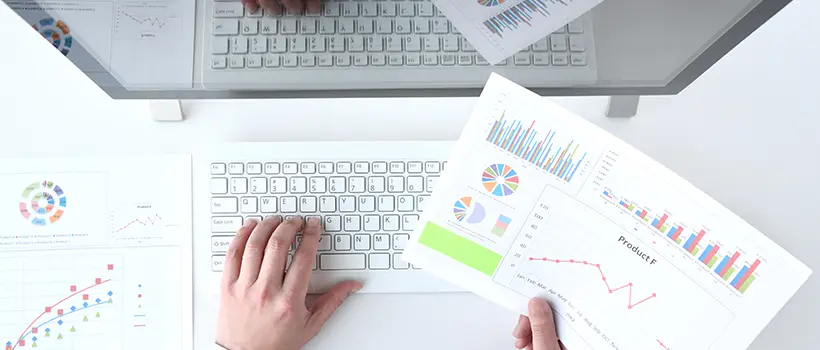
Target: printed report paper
x,y
500,28
537,202
96,253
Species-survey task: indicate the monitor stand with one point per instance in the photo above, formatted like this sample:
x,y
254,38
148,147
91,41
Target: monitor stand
x,y
622,106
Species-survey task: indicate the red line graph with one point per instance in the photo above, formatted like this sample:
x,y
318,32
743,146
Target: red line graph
x,y
627,286
52,307
146,222
662,344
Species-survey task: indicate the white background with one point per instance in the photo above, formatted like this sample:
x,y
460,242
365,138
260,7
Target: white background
x,y
746,132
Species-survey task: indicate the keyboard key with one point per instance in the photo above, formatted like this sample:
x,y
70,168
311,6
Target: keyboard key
x,y
341,242
218,62
558,43
225,224
287,204
254,168
350,9
267,26
327,204
360,60
412,59
426,9
250,27
331,9
430,59
441,26
368,9
450,43
541,59
318,184
308,204
387,9
375,184
384,26
317,45
225,27
465,59
236,62
278,185
431,44
324,243
379,261
522,59
415,167
239,45
217,263
219,185
249,205
357,184
405,203
271,61
345,26
327,26
402,26
239,185
559,59
288,26
431,183
420,202
259,185
361,242
254,61
576,43
448,59
342,60
325,168
307,26
298,184
344,167
541,45
338,184
407,9
352,223
367,204
278,45
347,204
378,59
268,205
290,168
421,26
408,222
379,167
466,46
372,222
220,244
236,168
398,263
415,184
387,203
224,205
307,168
575,27
395,184
390,222
361,167
393,43
396,167
331,262
578,59
228,10
297,44
219,46
400,240
365,26
381,242
333,223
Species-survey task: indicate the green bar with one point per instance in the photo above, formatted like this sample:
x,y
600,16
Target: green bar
x,y
712,262
729,273
631,206
646,219
459,248
678,240
663,228
747,283
695,252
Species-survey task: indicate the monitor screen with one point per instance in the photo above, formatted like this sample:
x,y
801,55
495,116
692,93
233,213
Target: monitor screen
x,y
218,48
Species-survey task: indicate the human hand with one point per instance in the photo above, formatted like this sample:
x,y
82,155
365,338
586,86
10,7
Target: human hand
x,y
275,6
537,332
262,306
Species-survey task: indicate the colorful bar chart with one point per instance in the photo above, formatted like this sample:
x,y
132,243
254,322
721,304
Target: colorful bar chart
x,y
518,15
707,254
524,142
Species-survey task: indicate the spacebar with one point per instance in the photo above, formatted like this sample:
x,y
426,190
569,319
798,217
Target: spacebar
x,y
329,262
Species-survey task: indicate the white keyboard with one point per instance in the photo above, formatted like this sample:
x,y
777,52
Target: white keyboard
x,y
368,208
411,36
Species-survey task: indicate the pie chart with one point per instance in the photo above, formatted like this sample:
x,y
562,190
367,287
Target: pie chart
x,y
500,180
466,209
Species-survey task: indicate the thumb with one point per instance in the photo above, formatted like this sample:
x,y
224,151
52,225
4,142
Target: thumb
x,y
326,305
543,326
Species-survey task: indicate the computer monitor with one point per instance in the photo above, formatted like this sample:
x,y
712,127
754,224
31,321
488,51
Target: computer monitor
x,y
195,49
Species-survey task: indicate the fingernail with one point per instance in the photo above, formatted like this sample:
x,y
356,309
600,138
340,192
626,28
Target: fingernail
x,y
538,306
314,8
249,222
313,221
356,289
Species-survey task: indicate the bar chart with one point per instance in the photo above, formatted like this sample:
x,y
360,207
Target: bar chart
x,y
542,151
694,242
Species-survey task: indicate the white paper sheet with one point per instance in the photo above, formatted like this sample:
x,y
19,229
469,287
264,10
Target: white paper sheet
x,y
537,202
500,28
96,253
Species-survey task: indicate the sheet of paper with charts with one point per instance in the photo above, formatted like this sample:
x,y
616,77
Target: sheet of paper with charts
x,y
537,202
500,28
96,253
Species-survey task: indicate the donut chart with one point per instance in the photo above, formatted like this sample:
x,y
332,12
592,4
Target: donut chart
x,y
42,203
56,32
468,209
490,3
500,180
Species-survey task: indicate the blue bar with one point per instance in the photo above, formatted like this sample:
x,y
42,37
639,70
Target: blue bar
x,y
554,159
503,136
516,138
688,241
638,212
655,222
498,132
566,170
511,137
722,264
671,232
739,276
705,254
528,145
577,165
508,134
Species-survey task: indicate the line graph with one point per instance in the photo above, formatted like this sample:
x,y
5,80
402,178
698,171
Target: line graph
x,y
152,21
628,286
144,222
146,21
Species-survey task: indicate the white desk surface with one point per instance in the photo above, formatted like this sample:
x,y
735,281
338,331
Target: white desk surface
x,y
747,132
